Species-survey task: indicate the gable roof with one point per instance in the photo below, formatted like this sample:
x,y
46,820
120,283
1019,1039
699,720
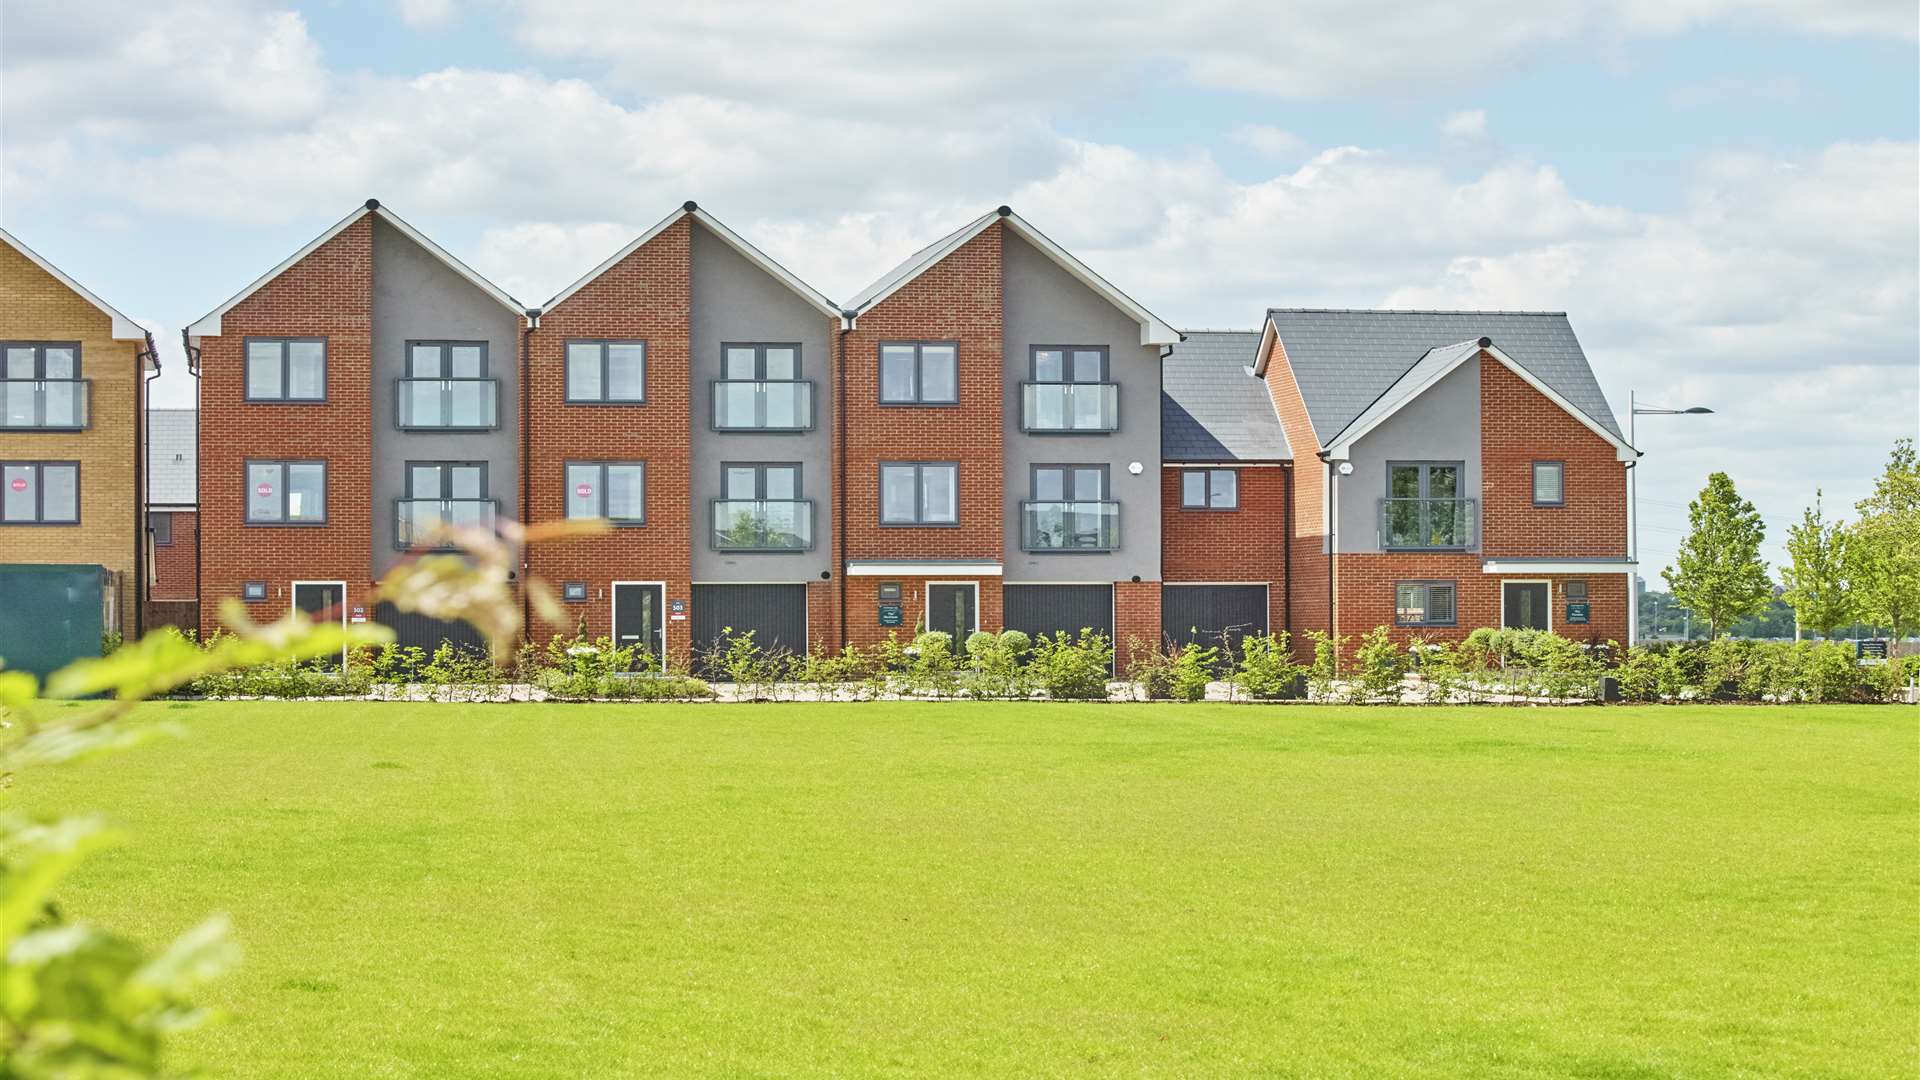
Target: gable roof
x,y
123,327
208,325
1437,364
1153,330
173,450
1212,407
1344,359
752,254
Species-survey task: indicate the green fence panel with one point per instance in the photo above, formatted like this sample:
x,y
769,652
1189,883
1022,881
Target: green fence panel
x,y
50,615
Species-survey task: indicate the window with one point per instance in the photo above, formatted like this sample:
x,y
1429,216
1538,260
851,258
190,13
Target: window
x,y
1069,391
442,493
286,492
760,389
162,526
446,480
286,369
1069,510
39,493
1423,603
615,490
255,590
1423,508
446,386
1576,592
1549,483
1063,364
40,386
919,373
1209,489
606,372
920,493
760,508
1069,483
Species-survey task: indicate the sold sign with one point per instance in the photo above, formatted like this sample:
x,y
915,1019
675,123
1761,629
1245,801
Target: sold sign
x,y
19,483
263,490
585,491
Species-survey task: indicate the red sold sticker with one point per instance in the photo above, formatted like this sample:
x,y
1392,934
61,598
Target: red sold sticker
x,y
263,490
585,491
19,483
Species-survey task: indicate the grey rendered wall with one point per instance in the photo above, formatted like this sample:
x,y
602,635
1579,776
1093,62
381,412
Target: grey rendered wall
x,y
1442,424
417,297
1045,305
736,301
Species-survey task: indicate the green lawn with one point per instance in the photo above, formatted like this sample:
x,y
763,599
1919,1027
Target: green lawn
x,y
1029,890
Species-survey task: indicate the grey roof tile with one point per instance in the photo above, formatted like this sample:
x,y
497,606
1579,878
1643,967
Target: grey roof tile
x,y
1344,359
1212,408
173,454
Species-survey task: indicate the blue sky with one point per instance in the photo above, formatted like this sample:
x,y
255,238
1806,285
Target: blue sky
x,y
1723,195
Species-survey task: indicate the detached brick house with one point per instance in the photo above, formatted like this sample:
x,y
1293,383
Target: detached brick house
x,y
990,436
1469,473
73,372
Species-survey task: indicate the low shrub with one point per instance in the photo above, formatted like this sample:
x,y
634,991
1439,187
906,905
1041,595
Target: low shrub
x,y
1379,667
1070,670
1265,670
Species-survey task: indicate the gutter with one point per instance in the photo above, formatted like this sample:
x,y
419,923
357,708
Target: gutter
x,y
526,468
840,470
140,437
1286,548
1333,551
199,526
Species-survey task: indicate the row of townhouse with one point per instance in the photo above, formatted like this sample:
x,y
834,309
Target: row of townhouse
x,y
990,436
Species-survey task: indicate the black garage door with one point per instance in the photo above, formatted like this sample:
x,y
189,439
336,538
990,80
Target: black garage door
x,y
1202,613
777,615
413,628
1044,610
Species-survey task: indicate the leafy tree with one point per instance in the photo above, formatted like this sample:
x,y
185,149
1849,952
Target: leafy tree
x,y
1819,582
1718,571
1885,545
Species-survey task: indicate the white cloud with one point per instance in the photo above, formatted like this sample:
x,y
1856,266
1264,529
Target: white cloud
x,y
1269,141
1467,126
428,14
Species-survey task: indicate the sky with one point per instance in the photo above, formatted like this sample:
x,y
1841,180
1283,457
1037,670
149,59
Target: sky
x,y
1723,195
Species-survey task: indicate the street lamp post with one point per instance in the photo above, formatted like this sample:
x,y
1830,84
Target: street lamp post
x,y
1634,408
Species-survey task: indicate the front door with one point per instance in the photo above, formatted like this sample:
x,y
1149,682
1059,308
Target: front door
x,y
639,619
323,601
1524,605
952,609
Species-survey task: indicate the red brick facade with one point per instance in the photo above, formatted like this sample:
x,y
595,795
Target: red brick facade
x,y
173,563
1367,597
863,607
328,294
1519,426
1312,566
647,296
1244,546
1136,615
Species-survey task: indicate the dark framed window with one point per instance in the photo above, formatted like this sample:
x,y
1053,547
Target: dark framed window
x,y
39,493
750,361
615,490
439,494
1069,483
41,388
606,372
446,359
760,388
1549,483
1209,489
1069,510
761,508
920,493
286,369
446,388
162,527
286,492
919,373
1069,363
1425,508
1576,592
35,360
1424,603
753,480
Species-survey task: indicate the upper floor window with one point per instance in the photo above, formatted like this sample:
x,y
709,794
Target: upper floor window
x,y
286,492
760,508
615,490
39,493
1549,483
286,369
920,493
442,493
446,387
1070,510
606,372
1424,603
1209,489
41,387
919,373
760,389
161,525
1424,507
1070,391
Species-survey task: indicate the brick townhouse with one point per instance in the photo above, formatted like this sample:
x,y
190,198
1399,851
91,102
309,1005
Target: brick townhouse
x,y
991,435
73,379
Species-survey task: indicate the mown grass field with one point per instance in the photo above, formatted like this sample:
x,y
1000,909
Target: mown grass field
x,y
1028,890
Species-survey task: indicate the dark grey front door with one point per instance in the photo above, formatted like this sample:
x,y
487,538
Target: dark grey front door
x,y
639,620
323,602
1523,605
950,608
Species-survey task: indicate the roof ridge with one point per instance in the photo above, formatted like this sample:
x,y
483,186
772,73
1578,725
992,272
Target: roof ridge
x,y
1410,311
1215,330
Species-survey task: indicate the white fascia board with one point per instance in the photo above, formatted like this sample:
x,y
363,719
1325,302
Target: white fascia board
x,y
123,327
883,568
759,258
1263,355
499,295
1571,566
1153,330
561,296
208,325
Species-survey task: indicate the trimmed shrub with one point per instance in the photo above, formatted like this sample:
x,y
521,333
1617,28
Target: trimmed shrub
x,y
1070,670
